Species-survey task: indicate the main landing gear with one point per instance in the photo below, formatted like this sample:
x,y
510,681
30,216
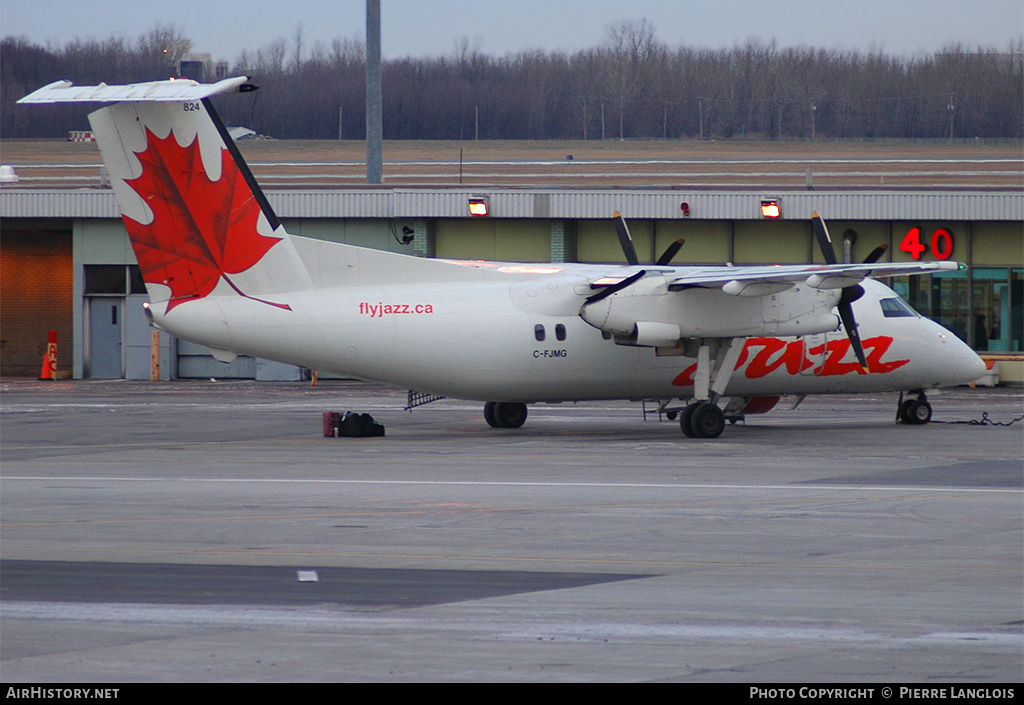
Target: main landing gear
x,y
914,412
716,361
702,419
501,414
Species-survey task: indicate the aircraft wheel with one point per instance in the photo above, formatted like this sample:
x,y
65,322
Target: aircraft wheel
x,y
708,421
509,414
916,412
901,413
686,421
489,415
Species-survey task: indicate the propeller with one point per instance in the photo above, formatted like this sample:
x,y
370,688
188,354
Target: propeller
x,y
670,252
628,249
849,293
876,254
615,288
625,239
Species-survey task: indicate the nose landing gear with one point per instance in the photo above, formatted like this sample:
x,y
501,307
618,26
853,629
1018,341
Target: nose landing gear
x,y
914,412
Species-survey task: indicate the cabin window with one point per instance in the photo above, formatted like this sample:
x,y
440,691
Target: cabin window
x,y
560,331
538,333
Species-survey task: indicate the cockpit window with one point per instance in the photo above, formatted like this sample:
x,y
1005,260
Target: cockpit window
x,y
897,308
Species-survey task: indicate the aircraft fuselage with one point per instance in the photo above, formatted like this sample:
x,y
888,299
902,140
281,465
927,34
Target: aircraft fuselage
x,y
524,340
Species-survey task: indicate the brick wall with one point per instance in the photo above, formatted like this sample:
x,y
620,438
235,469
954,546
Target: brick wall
x,y
36,292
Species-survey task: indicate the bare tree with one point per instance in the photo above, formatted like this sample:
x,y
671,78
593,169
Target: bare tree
x,y
631,50
631,83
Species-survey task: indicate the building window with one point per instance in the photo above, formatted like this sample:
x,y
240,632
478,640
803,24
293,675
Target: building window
x,y
105,279
114,279
997,309
136,285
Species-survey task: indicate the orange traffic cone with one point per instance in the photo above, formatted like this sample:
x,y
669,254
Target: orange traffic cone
x,y
49,370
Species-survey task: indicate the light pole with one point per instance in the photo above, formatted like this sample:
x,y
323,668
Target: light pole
x,y
374,96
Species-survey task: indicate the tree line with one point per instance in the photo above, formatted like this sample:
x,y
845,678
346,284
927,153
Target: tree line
x,y
631,86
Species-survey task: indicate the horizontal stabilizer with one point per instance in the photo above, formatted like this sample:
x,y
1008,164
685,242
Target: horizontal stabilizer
x,y
170,91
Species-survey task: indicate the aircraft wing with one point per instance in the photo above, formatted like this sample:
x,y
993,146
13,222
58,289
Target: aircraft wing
x,y
170,91
761,280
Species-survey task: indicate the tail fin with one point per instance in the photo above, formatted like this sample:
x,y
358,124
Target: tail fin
x,y
197,220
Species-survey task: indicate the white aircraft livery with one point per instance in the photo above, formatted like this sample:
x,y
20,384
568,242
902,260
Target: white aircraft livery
x,y
708,343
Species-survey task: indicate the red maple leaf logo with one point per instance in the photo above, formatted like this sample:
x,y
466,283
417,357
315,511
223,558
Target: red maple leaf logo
x,y
202,230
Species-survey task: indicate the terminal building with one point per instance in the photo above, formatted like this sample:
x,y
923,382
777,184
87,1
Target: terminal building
x,y
67,264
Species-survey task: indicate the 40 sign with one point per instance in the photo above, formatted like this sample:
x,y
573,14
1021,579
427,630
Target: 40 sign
x,y
941,244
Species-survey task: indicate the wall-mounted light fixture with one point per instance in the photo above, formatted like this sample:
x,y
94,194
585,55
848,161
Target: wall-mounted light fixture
x,y
478,206
770,208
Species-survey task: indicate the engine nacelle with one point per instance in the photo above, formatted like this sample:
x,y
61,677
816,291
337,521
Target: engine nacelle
x,y
648,314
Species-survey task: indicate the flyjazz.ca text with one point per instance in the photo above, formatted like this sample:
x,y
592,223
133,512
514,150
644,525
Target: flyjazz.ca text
x,y
379,310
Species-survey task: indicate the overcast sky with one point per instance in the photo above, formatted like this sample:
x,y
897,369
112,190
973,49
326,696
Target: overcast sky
x,y
421,28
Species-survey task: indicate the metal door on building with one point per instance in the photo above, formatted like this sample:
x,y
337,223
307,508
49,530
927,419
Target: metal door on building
x,y
106,348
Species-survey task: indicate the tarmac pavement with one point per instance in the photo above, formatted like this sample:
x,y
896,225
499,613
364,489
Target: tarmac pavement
x,y
207,531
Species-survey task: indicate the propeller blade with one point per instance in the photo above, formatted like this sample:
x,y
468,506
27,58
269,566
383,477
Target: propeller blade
x,y
824,241
670,252
876,254
615,288
625,240
850,293
846,299
846,314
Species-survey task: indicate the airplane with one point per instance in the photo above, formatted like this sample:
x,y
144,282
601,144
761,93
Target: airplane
x,y
709,343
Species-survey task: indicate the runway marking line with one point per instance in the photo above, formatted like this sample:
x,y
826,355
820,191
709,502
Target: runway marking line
x,y
507,483
461,508
511,559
